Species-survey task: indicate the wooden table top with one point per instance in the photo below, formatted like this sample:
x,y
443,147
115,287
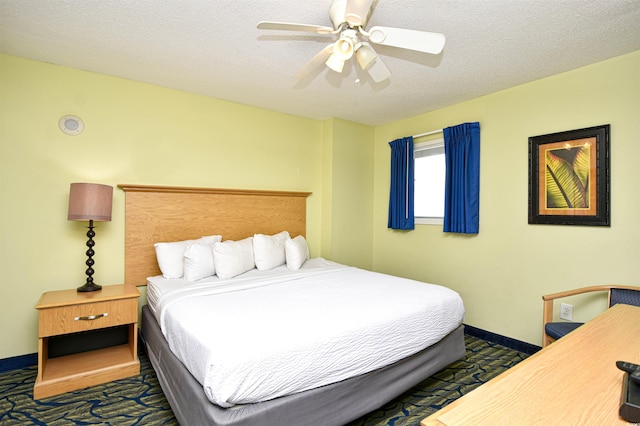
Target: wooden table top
x,y
573,381
52,299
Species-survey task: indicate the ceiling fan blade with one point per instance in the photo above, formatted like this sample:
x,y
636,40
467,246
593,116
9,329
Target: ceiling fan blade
x,y
378,70
420,41
267,25
357,12
315,62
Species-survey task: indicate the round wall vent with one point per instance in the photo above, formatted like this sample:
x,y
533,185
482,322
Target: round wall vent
x,y
71,125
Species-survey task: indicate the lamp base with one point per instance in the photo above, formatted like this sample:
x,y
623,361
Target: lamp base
x,y
89,287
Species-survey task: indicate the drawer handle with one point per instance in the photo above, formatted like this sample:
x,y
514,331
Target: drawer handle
x,y
91,317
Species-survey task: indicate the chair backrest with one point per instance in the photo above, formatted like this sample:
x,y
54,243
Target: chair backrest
x,y
624,296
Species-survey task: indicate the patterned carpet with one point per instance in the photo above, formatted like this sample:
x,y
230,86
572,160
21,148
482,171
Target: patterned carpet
x,y
139,400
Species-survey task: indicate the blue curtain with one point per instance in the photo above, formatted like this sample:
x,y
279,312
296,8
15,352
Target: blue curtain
x,y
401,193
462,179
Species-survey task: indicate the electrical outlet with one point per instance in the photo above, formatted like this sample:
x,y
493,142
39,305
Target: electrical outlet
x,y
566,311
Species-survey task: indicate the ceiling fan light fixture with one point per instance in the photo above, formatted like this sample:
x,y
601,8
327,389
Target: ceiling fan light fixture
x,y
365,55
335,63
349,18
343,48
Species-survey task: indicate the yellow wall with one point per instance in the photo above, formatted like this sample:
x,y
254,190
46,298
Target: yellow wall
x,y
135,133
138,133
502,272
348,193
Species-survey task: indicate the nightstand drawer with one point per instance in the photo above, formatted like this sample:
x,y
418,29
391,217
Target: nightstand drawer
x,y
87,316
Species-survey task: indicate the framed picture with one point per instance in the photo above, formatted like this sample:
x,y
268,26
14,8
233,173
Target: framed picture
x,y
569,177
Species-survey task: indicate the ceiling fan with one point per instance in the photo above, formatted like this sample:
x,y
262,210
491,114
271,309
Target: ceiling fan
x,y
349,19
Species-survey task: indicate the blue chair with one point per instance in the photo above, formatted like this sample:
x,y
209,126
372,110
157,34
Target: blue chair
x,y
552,331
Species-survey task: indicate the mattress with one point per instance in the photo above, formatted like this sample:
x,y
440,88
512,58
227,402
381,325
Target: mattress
x,y
265,334
334,404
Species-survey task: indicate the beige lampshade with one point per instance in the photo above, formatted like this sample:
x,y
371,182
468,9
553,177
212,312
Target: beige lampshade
x,y
365,55
335,63
343,48
90,201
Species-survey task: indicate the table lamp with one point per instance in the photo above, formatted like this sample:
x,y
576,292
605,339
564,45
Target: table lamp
x,y
90,201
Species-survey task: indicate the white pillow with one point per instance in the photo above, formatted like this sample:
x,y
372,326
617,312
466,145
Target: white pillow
x,y
170,256
209,239
198,262
233,258
296,252
268,250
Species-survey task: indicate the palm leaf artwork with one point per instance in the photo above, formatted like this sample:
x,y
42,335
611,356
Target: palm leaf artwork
x,y
567,177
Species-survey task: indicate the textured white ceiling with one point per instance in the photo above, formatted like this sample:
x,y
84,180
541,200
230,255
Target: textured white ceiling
x,y
212,47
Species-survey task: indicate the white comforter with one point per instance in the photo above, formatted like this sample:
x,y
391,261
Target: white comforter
x,y
267,334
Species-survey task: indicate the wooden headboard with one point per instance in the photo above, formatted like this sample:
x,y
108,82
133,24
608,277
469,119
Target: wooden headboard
x,y
165,213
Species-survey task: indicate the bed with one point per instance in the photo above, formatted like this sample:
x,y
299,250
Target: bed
x,y
377,375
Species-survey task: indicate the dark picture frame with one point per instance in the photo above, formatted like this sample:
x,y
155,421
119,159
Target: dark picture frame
x,y
569,177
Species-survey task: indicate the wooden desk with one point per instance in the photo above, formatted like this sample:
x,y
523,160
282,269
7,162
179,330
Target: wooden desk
x,y
573,381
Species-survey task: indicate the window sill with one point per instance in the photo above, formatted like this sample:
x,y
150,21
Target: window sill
x,y
429,221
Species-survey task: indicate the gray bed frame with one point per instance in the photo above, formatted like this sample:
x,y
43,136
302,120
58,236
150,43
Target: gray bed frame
x,y
334,404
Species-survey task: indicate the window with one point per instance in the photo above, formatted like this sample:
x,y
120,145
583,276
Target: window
x,y
429,182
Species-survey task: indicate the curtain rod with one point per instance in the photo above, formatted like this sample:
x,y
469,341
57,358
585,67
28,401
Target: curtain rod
x,y
433,132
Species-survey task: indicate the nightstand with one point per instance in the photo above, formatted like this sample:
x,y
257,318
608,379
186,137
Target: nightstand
x,y
85,339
